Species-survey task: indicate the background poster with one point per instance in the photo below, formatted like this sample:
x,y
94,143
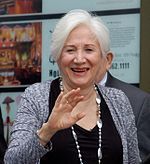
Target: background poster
x,y
11,7
49,67
20,53
9,102
125,44
90,5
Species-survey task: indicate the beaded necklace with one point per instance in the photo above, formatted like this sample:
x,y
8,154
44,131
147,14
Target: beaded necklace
x,y
99,124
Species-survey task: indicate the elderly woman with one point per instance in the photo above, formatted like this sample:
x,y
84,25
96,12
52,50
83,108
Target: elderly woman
x,y
71,120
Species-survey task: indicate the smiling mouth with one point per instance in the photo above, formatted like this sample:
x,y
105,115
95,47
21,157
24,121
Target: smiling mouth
x,y
79,70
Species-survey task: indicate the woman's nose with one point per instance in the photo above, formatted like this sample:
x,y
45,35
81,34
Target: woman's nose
x,y
79,57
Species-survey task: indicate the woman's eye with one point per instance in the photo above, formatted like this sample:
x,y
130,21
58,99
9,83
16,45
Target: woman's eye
x,y
89,50
70,50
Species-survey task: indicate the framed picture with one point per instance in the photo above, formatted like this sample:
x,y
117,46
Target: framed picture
x,y
20,53
13,7
9,103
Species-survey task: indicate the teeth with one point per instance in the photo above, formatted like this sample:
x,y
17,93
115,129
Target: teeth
x,y
79,70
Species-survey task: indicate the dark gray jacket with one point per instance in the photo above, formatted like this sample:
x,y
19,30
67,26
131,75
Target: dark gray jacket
x,y
140,102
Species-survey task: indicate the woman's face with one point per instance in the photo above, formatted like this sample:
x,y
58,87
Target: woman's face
x,y
81,59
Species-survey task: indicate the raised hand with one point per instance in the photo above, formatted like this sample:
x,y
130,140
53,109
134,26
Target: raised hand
x,y
62,115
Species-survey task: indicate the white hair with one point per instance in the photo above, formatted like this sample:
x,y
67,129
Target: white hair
x,y
73,19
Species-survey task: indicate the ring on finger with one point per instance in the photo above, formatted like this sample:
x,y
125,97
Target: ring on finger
x,y
67,101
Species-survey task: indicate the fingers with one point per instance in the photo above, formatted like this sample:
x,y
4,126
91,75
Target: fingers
x,y
59,97
75,118
79,116
74,97
62,115
71,98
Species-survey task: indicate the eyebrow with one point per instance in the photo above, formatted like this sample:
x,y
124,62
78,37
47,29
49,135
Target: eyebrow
x,y
70,45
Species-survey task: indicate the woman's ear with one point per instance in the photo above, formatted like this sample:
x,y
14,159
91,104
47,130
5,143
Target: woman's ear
x,y
109,58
